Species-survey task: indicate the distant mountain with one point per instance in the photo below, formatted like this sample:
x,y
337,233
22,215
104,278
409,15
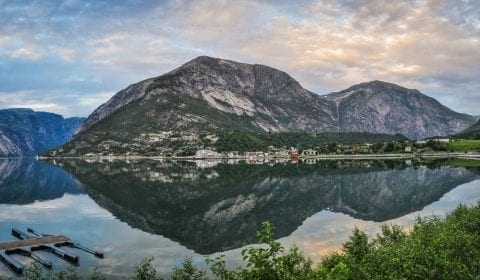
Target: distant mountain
x,y
208,93
26,132
472,132
388,108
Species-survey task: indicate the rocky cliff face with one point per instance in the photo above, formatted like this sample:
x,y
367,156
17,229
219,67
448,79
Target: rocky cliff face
x,y
216,93
26,132
388,108
209,93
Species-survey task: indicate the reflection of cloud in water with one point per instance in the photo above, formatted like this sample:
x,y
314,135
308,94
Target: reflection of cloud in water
x,y
74,206
325,231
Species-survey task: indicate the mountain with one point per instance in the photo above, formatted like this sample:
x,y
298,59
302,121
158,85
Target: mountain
x,y
212,209
472,132
208,93
26,132
388,108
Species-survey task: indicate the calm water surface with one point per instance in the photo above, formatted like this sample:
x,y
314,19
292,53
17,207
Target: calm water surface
x,y
169,210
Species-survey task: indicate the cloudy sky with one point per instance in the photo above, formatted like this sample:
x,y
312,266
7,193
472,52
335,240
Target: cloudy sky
x,y
71,56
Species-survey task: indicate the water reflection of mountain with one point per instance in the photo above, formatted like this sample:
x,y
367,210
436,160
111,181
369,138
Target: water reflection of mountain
x,y
219,208
24,181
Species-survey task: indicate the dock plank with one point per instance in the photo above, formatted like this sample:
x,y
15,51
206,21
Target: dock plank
x,y
15,244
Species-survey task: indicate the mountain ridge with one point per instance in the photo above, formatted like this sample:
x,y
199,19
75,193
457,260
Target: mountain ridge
x,y
208,93
25,132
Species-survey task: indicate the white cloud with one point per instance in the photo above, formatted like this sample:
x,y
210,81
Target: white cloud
x,y
68,55
71,105
95,100
326,45
4,40
26,54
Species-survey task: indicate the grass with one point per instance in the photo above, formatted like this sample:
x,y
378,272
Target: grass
x,y
464,145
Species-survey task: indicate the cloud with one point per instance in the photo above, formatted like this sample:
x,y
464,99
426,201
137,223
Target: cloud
x,y
47,107
26,53
68,55
94,100
4,40
327,45
73,104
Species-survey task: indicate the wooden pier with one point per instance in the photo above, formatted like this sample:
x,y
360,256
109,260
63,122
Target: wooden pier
x,y
27,244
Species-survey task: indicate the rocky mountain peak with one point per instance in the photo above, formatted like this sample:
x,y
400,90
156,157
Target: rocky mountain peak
x,y
207,93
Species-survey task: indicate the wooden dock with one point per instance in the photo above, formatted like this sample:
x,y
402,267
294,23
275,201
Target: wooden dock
x,y
27,244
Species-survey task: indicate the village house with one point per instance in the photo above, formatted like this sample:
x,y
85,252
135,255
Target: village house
x,y
293,154
281,153
309,153
255,156
233,154
205,153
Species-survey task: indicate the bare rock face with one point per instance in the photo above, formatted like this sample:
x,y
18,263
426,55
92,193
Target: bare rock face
x,y
120,99
388,108
211,93
7,146
26,132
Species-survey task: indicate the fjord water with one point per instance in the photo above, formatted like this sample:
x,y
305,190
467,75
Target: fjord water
x,y
132,209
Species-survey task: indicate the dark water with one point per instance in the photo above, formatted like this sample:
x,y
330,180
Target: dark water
x,y
135,209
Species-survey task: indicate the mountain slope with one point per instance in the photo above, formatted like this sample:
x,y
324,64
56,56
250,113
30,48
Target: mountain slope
x,y
215,93
388,108
26,132
472,132
207,93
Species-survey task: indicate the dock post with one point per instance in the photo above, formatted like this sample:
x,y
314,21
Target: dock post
x,y
20,234
27,252
83,248
62,254
38,234
11,263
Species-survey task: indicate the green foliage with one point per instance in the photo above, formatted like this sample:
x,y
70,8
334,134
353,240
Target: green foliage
x,y
267,261
36,272
434,249
325,142
145,271
188,271
437,146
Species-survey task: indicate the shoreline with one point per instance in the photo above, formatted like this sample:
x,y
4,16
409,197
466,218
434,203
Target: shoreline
x,y
320,157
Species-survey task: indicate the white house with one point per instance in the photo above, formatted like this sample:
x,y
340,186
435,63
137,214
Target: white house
x,y
309,153
205,153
